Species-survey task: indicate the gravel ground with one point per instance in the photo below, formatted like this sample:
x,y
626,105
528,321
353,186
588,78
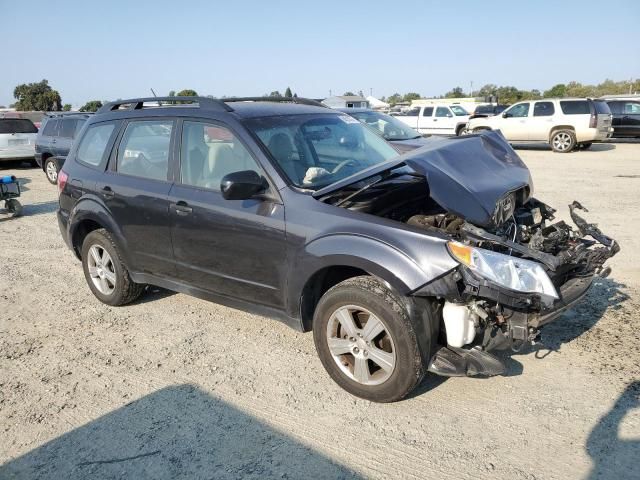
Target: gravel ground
x,y
175,387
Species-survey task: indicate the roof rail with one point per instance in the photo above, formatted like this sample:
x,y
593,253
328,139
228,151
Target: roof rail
x,y
138,103
66,114
302,101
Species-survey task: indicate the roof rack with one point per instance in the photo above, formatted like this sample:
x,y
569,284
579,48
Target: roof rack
x,y
138,103
66,114
301,101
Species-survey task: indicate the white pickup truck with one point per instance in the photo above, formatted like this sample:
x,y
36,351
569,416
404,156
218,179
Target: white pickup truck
x,y
436,119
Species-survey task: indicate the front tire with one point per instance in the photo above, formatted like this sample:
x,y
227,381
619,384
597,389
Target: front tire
x,y
51,170
563,141
366,341
104,271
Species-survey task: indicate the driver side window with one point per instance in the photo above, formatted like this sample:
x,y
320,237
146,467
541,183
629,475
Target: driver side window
x,y
519,110
209,152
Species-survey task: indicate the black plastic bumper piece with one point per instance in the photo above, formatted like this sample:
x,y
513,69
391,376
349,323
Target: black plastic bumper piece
x,y
458,362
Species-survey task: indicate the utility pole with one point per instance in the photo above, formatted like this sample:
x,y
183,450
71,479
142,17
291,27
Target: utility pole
x,y
371,91
330,93
471,92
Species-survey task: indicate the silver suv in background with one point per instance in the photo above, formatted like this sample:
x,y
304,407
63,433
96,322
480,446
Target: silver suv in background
x,y
17,139
565,123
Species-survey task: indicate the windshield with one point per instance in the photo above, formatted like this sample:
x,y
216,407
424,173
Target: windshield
x,y
458,110
390,128
317,150
17,125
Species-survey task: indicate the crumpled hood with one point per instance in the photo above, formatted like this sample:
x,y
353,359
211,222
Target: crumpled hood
x,y
466,175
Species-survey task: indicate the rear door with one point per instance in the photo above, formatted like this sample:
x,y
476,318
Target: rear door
x,y
425,120
64,141
630,122
49,137
541,122
135,189
234,248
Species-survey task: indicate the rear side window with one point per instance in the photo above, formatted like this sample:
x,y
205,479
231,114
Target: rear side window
x,y
631,108
543,109
68,129
428,111
578,107
92,146
413,113
17,125
50,128
144,149
615,107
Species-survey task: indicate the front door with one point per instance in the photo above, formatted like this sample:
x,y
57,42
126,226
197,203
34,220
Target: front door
x,y
444,122
135,189
513,123
235,248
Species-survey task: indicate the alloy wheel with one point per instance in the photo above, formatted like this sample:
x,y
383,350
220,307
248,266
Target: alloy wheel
x,y
52,172
361,345
101,270
562,141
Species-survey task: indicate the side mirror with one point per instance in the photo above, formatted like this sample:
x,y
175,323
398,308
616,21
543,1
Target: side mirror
x,y
242,185
506,115
449,115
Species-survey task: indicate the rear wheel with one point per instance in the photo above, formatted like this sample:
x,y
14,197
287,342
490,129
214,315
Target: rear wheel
x,y
106,274
563,141
366,342
51,170
479,130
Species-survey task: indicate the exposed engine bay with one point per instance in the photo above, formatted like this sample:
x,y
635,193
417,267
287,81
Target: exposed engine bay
x,y
519,268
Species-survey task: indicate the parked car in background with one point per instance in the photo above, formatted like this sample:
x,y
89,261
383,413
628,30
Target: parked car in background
x,y
626,117
17,139
55,139
35,116
398,264
563,123
436,119
488,110
398,133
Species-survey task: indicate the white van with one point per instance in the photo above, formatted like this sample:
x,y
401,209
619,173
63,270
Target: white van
x,y
564,123
437,119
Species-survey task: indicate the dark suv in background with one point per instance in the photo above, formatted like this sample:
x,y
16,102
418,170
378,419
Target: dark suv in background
x,y
626,117
54,141
399,264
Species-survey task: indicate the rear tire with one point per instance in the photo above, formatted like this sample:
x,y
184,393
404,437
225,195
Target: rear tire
x,y
480,130
104,271
563,141
378,361
50,168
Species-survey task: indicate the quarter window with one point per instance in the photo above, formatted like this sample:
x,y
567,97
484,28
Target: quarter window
x,y
93,144
209,152
543,109
579,107
144,149
443,112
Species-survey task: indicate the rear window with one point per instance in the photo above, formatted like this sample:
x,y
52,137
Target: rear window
x,y
17,125
484,109
602,107
579,107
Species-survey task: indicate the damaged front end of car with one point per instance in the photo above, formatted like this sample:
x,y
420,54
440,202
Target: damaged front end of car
x,y
517,268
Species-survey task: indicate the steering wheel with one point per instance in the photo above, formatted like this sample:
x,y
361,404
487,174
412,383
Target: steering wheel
x,y
341,165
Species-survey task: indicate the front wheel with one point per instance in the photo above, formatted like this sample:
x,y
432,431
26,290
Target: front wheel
x,y
366,342
51,170
563,141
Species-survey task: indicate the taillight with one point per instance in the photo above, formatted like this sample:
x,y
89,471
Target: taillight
x,y
593,121
62,180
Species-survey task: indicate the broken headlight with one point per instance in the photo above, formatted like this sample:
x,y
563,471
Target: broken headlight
x,y
504,209
504,270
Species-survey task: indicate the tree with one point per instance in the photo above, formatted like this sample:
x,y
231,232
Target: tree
x,y
186,93
558,90
408,97
37,96
348,94
91,106
287,93
172,93
395,98
66,107
275,94
455,93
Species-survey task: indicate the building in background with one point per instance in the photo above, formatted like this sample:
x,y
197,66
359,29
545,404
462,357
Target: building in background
x,y
346,101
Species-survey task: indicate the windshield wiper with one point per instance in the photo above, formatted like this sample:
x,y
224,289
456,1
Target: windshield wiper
x,y
388,175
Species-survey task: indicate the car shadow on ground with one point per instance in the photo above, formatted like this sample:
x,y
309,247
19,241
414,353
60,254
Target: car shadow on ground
x,y
29,210
613,456
177,432
604,294
152,294
596,147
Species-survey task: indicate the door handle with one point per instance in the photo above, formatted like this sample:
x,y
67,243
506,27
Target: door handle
x,y
53,141
435,119
181,208
107,192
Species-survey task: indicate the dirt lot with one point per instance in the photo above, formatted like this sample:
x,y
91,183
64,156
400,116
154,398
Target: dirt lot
x,y
175,387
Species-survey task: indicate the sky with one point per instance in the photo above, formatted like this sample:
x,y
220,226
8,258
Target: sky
x,y
120,49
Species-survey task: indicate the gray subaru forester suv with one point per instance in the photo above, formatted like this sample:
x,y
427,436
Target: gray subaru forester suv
x,y
399,264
